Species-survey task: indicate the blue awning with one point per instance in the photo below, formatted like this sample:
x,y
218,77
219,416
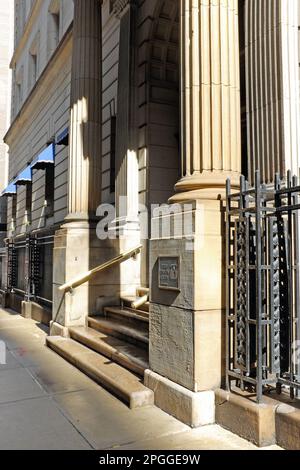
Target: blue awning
x,y
63,138
11,190
44,159
25,177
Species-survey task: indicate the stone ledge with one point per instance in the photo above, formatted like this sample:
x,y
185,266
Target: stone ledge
x,y
36,312
241,415
287,421
193,409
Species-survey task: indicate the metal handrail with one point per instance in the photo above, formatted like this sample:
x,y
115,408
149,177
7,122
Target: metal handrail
x,y
81,279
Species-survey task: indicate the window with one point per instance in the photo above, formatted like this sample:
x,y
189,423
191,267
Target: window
x,y
19,76
33,61
28,203
49,191
53,26
33,67
13,213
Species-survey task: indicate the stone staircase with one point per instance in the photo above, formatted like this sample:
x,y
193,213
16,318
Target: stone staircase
x,y
113,349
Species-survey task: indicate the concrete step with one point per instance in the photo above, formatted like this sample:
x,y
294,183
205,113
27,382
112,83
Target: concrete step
x,y
127,355
120,328
144,307
142,313
129,314
119,381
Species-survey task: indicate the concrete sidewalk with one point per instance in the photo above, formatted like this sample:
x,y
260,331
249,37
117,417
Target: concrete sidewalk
x,y
46,403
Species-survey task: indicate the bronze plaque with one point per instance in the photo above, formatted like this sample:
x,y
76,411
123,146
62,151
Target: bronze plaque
x,y
168,272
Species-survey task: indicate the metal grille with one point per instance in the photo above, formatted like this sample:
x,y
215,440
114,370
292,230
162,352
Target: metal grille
x,y
263,285
31,270
12,266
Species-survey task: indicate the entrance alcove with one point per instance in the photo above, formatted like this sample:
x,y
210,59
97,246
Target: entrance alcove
x,y
158,106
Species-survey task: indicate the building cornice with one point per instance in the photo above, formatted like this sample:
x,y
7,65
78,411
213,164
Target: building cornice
x,y
46,76
27,30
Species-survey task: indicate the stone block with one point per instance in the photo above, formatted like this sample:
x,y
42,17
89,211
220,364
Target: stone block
x,y
287,421
243,416
193,409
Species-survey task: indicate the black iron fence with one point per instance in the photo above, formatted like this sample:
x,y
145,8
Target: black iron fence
x,y
263,285
30,265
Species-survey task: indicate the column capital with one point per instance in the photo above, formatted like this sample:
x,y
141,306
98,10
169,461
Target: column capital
x,y
121,6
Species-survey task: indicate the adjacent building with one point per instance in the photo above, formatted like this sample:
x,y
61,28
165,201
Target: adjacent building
x,y
6,45
129,105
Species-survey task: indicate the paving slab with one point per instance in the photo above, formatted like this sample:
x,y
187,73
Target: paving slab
x,y
18,384
11,362
37,424
211,437
23,337
109,423
36,355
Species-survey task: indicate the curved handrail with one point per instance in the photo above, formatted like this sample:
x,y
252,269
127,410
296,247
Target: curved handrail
x,y
78,281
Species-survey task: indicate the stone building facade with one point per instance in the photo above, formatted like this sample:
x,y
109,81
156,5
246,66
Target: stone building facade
x,y
132,104
6,44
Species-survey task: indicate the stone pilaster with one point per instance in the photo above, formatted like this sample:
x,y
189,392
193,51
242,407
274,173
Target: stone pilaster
x,y
272,78
127,171
126,145
210,95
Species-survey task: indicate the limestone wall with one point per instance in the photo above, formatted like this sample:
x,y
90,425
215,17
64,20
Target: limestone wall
x,y
45,115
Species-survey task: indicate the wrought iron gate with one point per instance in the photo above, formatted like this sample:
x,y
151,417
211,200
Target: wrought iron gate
x,y
263,285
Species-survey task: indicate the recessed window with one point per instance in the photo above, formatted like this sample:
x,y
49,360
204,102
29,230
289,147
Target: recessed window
x,y
53,26
33,68
28,203
49,191
33,61
19,76
13,213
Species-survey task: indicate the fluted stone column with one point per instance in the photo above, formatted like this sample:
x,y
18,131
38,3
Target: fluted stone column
x,y
272,79
77,248
210,94
84,192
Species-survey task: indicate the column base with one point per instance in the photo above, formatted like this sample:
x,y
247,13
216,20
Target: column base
x,y
58,330
204,185
193,409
